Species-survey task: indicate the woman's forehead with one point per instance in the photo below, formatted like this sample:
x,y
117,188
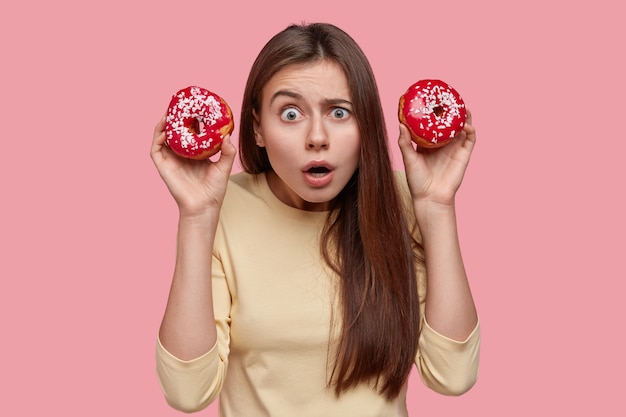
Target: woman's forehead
x,y
325,78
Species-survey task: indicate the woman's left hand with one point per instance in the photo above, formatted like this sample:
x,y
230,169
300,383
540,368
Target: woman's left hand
x,y
435,175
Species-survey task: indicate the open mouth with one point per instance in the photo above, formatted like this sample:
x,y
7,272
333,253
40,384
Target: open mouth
x,y
318,171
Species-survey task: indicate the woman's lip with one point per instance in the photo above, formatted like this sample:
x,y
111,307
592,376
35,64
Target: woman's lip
x,y
317,164
318,180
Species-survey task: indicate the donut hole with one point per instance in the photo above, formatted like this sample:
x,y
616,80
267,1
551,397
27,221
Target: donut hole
x,y
195,126
438,110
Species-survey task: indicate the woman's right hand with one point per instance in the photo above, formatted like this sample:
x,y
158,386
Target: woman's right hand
x,y
197,186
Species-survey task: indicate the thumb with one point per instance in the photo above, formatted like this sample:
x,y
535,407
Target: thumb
x,y
404,141
227,155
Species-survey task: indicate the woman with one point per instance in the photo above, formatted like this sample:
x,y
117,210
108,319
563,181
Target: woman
x,y
314,301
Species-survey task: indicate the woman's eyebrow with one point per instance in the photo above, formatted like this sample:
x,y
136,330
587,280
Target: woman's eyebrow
x,y
285,93
298,96
338,101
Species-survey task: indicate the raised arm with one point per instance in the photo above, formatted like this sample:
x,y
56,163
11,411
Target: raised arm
x,y
188,327
434,176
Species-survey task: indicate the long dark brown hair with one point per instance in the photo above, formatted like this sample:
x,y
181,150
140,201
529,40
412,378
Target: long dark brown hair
x,y
366,239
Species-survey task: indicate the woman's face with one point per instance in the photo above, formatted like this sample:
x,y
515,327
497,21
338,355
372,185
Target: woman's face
x,y
310,134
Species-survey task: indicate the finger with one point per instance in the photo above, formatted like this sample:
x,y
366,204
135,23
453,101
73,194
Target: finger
x,y
158,139
470,137
228,147
404,140
406,145
227,156
468,118
159,132
160,126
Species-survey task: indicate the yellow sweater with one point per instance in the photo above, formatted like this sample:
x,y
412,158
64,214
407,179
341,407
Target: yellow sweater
x,y
272,300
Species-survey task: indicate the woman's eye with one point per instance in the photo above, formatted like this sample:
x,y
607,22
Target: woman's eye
x,y
290,114
339,113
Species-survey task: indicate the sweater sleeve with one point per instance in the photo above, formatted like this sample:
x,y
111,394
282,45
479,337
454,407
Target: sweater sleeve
x,y
445,365
194,384
189,385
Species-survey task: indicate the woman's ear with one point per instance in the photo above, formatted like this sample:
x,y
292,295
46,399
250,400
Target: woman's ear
x,y
256,125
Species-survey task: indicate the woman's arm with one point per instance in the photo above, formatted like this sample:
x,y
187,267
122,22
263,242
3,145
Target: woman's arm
x,y
188,327
449,306
434,176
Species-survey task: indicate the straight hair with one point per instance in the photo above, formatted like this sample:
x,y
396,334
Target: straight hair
x,y
366,238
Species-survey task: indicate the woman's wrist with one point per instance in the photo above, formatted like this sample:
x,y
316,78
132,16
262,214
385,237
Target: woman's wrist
x,y
428,208
198,218
433,216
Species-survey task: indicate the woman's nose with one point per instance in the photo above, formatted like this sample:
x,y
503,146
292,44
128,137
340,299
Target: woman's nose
x,y
317,137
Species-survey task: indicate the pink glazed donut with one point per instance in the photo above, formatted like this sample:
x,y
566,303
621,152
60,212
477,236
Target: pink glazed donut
x,y
196,123
433,111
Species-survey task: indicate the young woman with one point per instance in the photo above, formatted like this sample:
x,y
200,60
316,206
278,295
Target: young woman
x,y
330,274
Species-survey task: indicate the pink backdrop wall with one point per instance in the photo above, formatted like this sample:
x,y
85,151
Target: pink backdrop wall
x,y
87,228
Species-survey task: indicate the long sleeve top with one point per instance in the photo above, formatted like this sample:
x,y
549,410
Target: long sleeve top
x,y
273,300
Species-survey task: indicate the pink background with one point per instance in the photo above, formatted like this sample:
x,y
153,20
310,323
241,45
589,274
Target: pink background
x,y
87,228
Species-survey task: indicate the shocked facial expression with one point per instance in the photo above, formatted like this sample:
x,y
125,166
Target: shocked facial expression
x,y
310,134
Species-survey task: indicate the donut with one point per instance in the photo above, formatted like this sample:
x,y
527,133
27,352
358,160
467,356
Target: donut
x,y
196,123
433,111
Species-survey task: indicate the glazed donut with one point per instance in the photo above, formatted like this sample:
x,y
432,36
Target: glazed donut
x,y
433,111
197,121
